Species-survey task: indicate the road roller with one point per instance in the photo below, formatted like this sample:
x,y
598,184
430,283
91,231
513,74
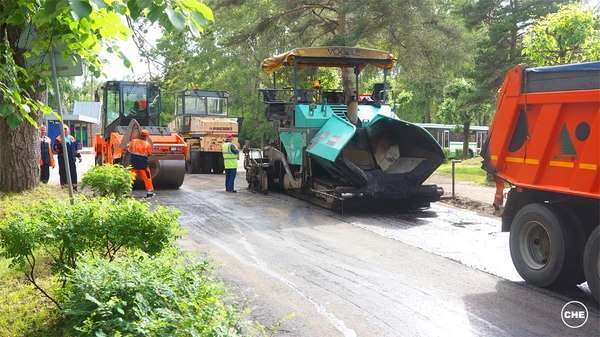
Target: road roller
x,y
336,150
127,109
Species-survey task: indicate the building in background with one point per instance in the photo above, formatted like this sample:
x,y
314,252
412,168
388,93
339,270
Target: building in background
x,y
83,122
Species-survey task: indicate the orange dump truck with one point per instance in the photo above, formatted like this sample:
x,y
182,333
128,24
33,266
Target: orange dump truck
x,y
545,142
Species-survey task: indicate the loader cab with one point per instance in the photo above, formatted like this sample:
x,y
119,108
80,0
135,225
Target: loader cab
x,y
199,103
123,101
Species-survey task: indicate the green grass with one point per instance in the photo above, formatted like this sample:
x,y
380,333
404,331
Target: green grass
x,y
24,311
467,170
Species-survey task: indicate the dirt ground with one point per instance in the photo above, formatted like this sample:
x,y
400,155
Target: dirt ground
x,y
468,195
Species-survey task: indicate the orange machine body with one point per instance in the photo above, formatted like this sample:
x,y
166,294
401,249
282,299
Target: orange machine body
x,y
546,136
164,147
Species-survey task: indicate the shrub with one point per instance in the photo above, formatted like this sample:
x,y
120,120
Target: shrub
x,y
139,295
458,154
109,180
99,226
446,155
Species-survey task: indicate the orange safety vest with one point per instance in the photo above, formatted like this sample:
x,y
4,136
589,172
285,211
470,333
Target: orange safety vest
x,y
140,147
47,140
141,104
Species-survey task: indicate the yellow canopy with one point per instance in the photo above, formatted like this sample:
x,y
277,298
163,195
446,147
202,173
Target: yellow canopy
x,y
330,57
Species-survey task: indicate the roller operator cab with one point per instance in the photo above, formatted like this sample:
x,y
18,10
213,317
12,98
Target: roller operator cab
x,y
127,108
545,142
336,150
202,120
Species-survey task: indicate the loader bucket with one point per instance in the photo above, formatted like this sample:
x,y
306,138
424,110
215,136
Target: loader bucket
x,y
387,159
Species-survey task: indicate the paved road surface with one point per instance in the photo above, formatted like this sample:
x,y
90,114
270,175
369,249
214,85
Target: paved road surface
x,y
439,272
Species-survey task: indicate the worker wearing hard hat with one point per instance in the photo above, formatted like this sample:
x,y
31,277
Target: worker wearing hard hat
x,y
140,149
230,157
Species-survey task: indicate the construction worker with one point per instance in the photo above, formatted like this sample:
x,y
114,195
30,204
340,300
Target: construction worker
x,y
72,153
140,104
499,196
231,155
140,149
46,155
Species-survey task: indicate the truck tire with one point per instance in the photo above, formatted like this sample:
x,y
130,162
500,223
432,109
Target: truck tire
x,y
591,263
206,163
470,154
578,276
218,164
100,159
543,246
194,163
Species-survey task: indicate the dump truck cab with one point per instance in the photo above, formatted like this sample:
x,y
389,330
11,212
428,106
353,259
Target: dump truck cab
x,y
127,108
331,148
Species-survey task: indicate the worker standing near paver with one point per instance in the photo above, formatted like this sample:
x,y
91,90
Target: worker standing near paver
x,y
231,155
140,149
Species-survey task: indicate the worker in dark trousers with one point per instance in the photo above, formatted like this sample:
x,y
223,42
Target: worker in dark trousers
x,y
230,157
72,153
46,156
140,149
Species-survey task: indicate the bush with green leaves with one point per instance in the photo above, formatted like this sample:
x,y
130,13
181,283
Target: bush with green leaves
x,y
141,295
109,180
458,154
98,226
446,155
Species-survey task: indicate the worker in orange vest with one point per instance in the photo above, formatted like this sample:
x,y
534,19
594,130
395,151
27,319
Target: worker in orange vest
x,y
140,150
141,103
46,155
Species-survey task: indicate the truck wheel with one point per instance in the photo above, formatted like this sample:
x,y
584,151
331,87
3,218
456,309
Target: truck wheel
x,y
574,222
100,159
206,165
470,153
218,164
543,246
194,163
591,263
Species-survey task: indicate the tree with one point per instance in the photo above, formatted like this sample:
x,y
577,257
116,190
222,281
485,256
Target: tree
x,y
85,27
567,36
503,23
458,108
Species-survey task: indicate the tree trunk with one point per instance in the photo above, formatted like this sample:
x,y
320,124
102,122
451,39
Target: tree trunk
x,y
20,153
347,73
19,157
466,133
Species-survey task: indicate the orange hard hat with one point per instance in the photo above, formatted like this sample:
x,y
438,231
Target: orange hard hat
x,y
144,133
229,135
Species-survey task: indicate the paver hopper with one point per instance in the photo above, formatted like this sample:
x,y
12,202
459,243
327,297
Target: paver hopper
x,y
127,108
330,151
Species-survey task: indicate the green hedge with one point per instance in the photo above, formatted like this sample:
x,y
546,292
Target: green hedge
x,y
140,295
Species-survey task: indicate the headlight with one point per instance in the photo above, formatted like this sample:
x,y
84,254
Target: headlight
x,y
174,148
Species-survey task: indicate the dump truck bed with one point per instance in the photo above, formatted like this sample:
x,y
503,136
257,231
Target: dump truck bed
x,y
546,131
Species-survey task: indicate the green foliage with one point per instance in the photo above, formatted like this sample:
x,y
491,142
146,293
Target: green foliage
x,y
100,226
458,153
140,295
113,181
446,155
497,28
567,36
85,29
26,202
